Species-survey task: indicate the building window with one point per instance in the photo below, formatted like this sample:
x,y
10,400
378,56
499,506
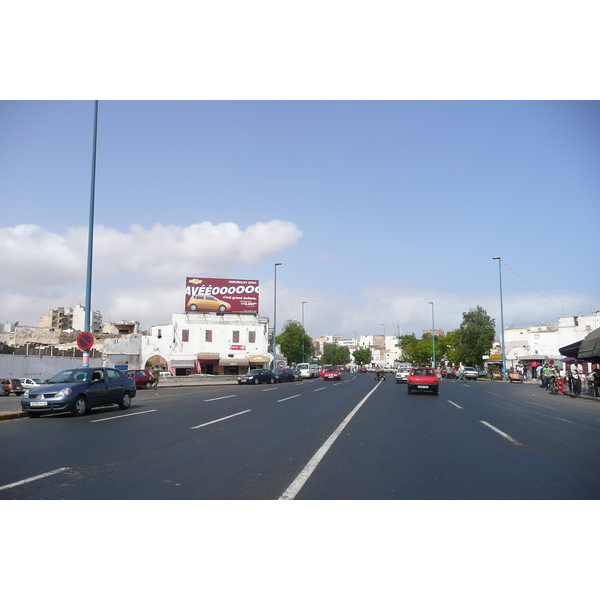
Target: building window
x,y
208,336
236,337
252,337
185,335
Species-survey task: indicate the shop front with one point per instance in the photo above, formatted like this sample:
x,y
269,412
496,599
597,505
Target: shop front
x,y
182,367
233,366
208,363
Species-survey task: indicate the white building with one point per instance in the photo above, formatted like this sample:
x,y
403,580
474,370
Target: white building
x,y
197,343
543,341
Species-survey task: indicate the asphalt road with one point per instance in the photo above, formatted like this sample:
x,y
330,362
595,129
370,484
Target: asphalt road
x,y
354,439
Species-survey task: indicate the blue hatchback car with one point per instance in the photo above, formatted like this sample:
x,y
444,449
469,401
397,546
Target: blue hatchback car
x,y
78,390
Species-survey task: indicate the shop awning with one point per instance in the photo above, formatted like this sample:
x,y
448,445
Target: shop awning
x,y
183,364
233,362
570,349
260,358
590,346
207,356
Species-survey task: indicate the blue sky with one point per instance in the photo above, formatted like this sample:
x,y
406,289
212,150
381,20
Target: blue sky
x,y
374,208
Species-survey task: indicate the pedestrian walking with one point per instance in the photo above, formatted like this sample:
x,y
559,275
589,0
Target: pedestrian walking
x,y
596,381
576,376
461,373
546,374
155,376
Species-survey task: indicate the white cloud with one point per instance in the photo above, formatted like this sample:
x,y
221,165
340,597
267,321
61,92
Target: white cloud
x,y
136,274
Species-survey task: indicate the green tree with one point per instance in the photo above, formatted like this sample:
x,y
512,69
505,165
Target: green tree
x,y
474,337
363,356
290,341
421,351
335,355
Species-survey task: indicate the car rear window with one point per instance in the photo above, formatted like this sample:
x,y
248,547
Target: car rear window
x,y
423,372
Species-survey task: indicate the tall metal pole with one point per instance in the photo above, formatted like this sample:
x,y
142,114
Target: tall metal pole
x,y
433,333
499,259
88,288
275,320
384,352
303,303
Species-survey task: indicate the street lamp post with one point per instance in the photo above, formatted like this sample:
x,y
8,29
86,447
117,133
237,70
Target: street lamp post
x,y
275,320
303,303
88,287
433,333
384,354
498,258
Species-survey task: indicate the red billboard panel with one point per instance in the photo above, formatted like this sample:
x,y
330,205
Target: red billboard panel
x,y
221,296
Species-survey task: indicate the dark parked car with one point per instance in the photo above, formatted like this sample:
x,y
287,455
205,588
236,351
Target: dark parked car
x,y
284,375
78,390
258,376
143,378
12,386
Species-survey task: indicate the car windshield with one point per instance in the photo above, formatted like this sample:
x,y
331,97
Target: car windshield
x,y
69,376
255,372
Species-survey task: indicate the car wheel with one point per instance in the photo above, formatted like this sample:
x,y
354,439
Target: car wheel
x,y
271,380
125,401
148,385
79,407
193,307
6,393
408,389
222,308
436,391
33,415
255,381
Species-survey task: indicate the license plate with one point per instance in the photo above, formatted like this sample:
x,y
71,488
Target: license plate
x,y
38,403
425,387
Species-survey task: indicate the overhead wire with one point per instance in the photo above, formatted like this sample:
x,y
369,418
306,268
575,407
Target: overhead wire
x,y
540,293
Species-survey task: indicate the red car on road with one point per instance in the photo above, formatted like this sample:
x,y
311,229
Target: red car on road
x,y
331,373
423,379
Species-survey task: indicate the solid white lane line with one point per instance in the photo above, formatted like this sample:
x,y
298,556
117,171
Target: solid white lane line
x,y
308,470
222,419
221,398
457,406
24,481
284,399
133,414
504,435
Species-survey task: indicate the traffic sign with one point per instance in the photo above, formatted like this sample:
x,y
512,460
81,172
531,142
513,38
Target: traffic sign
x,y
85,340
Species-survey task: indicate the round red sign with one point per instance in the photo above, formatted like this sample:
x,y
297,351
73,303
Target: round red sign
x,y
85,340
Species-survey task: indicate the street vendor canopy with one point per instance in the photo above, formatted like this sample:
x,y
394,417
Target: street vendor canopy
x,y
590,346
571,349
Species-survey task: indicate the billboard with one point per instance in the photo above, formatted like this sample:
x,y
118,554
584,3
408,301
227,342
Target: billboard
x,y
221,296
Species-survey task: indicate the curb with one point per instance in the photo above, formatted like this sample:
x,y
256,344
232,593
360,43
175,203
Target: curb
x,y
13,415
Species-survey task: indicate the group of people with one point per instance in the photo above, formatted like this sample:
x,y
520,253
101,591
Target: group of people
x,y
572,374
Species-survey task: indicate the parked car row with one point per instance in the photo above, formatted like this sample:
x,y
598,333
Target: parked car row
x,y
256,376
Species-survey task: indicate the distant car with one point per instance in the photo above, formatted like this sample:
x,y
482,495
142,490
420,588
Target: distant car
x,y
256,376
331,373
402,375
29,382
423,379
471,373
12,386
165,374
142,377
78,390
207,303
362,369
